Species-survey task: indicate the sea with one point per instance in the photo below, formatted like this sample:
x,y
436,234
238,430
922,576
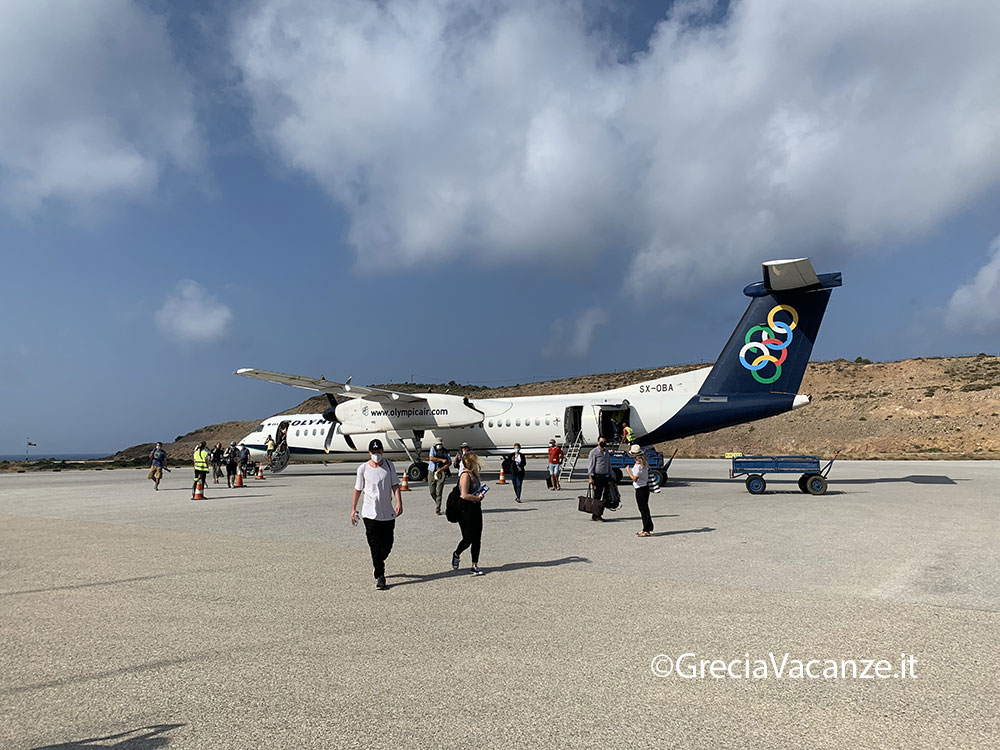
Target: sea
x,y
32,456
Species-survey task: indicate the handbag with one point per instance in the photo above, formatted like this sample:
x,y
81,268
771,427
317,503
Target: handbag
x,y
588,504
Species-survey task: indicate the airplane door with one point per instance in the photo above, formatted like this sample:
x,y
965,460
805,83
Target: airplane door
x,y
281,455
572,423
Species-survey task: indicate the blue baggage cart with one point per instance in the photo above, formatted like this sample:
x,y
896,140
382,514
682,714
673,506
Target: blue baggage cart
x,y
812,480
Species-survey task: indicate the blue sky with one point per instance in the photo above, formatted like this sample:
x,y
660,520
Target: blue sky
x,y
487,193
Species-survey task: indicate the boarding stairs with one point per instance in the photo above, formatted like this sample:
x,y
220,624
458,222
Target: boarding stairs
x,y
571,454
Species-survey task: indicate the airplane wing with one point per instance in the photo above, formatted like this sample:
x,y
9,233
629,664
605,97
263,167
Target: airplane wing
x,y
344,390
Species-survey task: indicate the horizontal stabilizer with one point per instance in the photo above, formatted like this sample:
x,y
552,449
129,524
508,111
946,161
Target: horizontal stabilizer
x,y
781,275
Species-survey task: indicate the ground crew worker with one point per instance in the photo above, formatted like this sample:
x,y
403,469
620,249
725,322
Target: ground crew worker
x,y
201,459
629,434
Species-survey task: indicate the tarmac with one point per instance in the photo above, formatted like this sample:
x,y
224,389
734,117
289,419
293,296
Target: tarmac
x,y
140,619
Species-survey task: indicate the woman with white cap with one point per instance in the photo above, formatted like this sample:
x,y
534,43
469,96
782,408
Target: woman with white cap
x,y
639,474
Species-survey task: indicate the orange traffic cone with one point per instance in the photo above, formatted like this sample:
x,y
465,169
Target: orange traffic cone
x,y
405,486
260,471
502,480
199,491
239,478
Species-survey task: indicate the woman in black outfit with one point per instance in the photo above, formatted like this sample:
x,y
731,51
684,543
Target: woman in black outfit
x,y
639,474
470,519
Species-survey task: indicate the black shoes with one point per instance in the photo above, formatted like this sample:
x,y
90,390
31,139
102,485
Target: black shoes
x,y
380,584
597,518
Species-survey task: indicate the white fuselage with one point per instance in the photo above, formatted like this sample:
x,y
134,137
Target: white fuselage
x,y
530,421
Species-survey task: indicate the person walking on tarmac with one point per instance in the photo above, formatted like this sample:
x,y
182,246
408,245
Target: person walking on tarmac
x,y
217,456
232,459
201,461
158,462
462,450
516,462
555,464
599,470
377,479
470,518
437,471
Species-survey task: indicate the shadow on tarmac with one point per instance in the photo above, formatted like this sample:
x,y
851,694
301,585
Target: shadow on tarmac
x,y
636,518
506,568
508,510
702,530
144,738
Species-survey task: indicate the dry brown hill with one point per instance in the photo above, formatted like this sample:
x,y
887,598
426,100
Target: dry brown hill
x,y
947,407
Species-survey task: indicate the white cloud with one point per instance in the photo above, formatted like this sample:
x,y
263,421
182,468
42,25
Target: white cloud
x,y
190,315
975,307
574,337
94,106
511,128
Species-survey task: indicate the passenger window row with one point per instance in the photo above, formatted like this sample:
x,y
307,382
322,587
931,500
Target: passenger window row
x,y
517,422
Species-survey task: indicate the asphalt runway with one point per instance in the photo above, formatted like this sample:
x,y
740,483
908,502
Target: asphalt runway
x,y
139,619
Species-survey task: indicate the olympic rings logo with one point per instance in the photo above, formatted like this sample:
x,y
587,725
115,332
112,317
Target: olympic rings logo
x,y
769,343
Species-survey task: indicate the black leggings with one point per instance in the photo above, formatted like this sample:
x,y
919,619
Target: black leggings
x,y
642,500
471,524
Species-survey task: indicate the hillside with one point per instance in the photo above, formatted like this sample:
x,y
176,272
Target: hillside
x,y
946,407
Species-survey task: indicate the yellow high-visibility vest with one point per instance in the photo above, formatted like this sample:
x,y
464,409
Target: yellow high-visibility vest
x,y
200,459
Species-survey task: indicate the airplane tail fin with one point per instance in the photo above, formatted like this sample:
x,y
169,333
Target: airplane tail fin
x,y
770,348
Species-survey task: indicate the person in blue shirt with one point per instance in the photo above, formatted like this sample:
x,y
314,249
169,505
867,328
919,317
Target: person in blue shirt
x,y
158,462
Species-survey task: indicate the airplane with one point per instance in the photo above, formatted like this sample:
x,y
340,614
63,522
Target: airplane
x,y
757,375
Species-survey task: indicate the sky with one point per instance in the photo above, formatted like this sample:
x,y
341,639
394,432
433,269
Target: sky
x,y
493,192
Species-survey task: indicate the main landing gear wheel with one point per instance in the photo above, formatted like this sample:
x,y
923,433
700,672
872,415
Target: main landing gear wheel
x,y
816,484
416,472
756,484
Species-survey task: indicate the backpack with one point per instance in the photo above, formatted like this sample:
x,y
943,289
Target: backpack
x,y
451,511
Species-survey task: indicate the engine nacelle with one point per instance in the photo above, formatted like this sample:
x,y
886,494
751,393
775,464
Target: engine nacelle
x,y
358,416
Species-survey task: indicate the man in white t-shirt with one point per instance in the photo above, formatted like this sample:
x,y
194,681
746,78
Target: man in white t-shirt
x,y
378,480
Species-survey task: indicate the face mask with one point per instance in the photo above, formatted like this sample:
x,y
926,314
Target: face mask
x,y
517,450
377,458
602,446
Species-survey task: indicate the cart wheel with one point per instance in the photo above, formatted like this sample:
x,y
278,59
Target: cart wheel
x,y
756,484
802,483
657,477
618,475
816,484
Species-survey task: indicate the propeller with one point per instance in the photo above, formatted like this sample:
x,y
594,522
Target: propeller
x,y
330,415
